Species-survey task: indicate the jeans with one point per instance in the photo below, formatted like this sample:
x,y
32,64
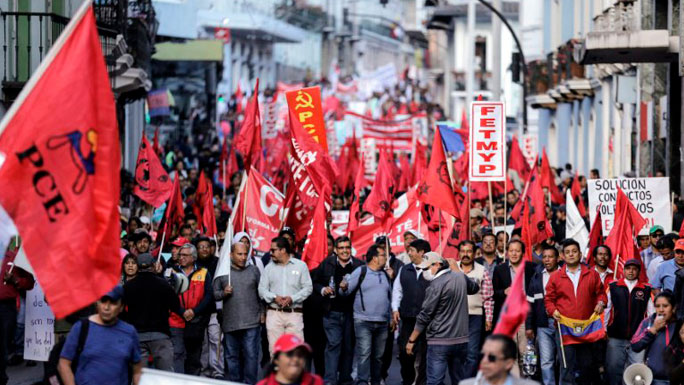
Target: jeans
x,y
548,343
371,338
161,351
212,356
8,320
580,369
242,355
178,350
339,350
407,362
474,332
618,357
443,357
20,328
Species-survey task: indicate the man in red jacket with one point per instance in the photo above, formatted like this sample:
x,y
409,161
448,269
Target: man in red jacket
x,y
566,286
13,279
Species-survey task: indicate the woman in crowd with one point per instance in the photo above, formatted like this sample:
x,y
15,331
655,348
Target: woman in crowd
x,y
675,356
654,335
290,355
129,268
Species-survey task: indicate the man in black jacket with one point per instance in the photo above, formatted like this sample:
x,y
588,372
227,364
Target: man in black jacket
x,y
338,317
407,298
149,300
538,322
629,303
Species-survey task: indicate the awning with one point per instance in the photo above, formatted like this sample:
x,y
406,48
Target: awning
x,y
191,50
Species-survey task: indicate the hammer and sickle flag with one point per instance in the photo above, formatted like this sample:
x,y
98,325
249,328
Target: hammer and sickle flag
x,y
152,183
59,169
435,189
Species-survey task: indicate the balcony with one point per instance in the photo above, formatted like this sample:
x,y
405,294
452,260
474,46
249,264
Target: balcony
x,y
618,38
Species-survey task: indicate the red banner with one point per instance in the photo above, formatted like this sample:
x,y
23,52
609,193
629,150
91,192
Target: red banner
x,y
307,107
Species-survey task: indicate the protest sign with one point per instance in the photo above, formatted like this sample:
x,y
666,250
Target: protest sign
x,y
307,107
530,147
650,196
340,220
40,326
487,142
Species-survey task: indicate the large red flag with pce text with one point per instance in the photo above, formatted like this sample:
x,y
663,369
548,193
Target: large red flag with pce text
x,y
59,170
152,183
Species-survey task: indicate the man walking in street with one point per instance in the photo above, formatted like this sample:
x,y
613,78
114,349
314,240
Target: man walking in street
x,y
538,322
284,286
665,275
371,289
489,258
108,350
149,299
498,358
338,320
629,302
575,291
242,312
480,305
407,299
655,233
444,320
211,357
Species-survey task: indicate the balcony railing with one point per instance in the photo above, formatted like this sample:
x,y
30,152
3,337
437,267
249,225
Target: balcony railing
x,y
623,16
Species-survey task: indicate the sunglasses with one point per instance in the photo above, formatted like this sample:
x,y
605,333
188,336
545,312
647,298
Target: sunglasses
x,y
490,357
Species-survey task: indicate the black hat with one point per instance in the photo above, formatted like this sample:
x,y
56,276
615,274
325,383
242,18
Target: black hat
x,y
146,260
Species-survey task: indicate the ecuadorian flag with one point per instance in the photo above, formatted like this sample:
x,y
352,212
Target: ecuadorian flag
x,y
582,331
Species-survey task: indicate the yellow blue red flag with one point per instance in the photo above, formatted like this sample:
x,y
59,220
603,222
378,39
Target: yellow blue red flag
x,y
582,331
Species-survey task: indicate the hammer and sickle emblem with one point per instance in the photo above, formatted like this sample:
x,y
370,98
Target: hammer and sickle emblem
x,y
303,100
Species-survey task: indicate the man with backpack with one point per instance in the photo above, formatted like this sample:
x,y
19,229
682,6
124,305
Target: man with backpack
x,y
102,349
372,290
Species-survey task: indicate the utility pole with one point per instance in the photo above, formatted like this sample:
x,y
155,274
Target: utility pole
x,y
496,52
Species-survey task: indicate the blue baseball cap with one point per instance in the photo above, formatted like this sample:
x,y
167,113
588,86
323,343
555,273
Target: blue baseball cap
x,y
116,294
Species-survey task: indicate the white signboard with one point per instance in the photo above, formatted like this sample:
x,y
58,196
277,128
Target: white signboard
x,y
340,220
530,147
487,142
650,196
40,326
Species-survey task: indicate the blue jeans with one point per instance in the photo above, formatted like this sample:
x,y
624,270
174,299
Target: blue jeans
x,y
474,332
443,357
178,350
370,346
619,356
8,321
242,355
339,350
547,340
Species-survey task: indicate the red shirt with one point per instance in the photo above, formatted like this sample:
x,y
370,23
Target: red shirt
x,y
307,379
24,280
560,293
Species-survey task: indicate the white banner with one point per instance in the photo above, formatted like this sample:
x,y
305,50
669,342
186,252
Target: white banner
x,y
40,326
650,196
487,142
340,220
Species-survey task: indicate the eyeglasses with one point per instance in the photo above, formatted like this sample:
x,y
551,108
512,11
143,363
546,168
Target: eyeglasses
x,y
490,357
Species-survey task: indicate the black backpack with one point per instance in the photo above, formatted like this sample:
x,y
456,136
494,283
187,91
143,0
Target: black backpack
x,y
51,374
362,276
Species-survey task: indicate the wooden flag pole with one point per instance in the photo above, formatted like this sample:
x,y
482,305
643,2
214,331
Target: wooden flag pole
x,y
468,224
440,231
491,204
244,209
224,180
560,337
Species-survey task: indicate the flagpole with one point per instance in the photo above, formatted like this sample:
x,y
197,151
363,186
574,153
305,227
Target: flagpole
x,y
468,224
244,210
560,337
491,203
224,180
440,230
161,247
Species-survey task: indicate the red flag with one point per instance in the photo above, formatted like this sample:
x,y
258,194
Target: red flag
x,y
540,228
316,246
228,165
681,230
548,180
202,190
208,215
515,308
576,194
59,169
152,183
359,183
155,142
379,201
517,161
248,141
435,188
628,223
405,177
419,164
526,233
174,215
595,236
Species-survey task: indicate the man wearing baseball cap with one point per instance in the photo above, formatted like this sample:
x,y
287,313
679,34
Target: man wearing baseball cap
x,y
444,319
679,280
629,302
655,233
664,278
290,354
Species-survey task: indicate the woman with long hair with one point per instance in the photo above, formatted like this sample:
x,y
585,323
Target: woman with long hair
x,y
654,336
290,355
129,268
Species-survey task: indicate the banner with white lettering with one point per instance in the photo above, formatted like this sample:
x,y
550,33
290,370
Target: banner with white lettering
x,y
340,220
487,142
650,196
40,326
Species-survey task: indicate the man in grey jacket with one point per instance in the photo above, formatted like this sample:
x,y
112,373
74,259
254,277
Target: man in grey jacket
x,y
444,319
242,313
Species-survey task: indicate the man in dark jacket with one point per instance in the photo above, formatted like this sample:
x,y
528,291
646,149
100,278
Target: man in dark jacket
x,y
338,312
538,322
149,299
407,299
395,264
629,303
444,319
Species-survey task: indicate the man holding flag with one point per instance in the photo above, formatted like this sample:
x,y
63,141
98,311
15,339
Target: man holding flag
x,y
580,321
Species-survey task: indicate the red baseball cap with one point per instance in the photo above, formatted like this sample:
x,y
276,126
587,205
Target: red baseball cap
x,y
679,245
180,241
289,342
